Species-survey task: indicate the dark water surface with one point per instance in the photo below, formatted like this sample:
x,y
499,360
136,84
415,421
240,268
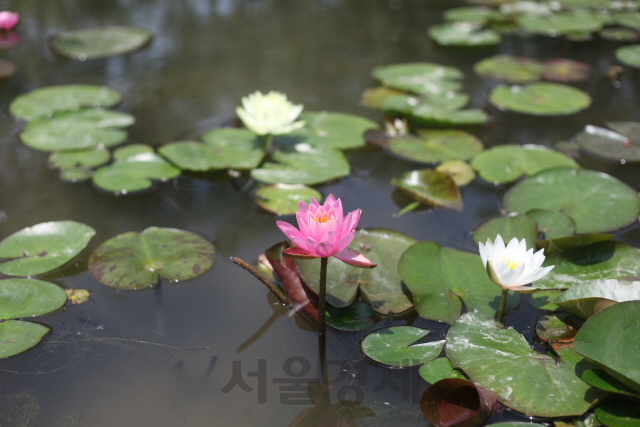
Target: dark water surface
x,y
205,56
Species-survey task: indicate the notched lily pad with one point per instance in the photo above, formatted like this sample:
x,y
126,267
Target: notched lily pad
x,y
394,346
565,70
552,224
436,146
459,171
134,173
101,42
546,99
623,144
439,369
355,317
430,187
87,159
463,34
135,260
510,69
283,199
43,247
420,77
28,297
518,226
587,298
17,336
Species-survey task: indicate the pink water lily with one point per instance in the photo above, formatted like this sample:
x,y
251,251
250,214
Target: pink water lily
x,y
8,20
324,232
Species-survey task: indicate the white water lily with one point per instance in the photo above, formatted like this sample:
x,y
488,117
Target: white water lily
x,y
270,114
512,267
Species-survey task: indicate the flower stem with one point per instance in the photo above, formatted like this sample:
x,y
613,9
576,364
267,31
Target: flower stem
x,y
503,302
322,296
268,142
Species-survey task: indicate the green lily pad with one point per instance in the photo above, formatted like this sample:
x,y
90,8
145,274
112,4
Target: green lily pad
x,y
619,34
43,247
629,55
425,105
423,78
510,69
429,116
553,328
563,23
439,369
552,224
45,101
616,412
546,99
303,164
381,287
374,97
578,193
507,163
441,279
394,346
587,298
481,15
135,260
131,150
604,260
50,135
628,19
610,338
29,297
502,361
561,244
134,173
430,187
463,34
354,317
17,336
224,148
609,144
76,174
282,199
600,379
102,42
98,117
88,158
436,146
543,300
329,130
519,226
459,171
565,70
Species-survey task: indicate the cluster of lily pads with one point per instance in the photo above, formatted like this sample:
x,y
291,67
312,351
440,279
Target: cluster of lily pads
x,y
129,261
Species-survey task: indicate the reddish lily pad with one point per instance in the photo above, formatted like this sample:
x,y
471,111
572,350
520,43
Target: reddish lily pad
x,y
510,69
565,70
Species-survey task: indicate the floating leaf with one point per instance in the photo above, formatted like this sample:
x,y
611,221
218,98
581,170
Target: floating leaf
x,y
303,164
354,317
45,101
521,379
629,55
600,379
619,34
518,226
441,279
480,15
543,300
510,69
561,244
88,158
381,287
134,173
283,199
548,99
28,297
439,369
420,77
436,146
565,70
17,336
329,130
578,193
459,171
434,104
135,260
50,135
131,150
77,296
101,42
587,298
463,34
628,19
556,329
394,346
552,224
616,412
374,97
604,260
430,187
429,116
43,247
507,163
564,23
609,144
457,402
610,338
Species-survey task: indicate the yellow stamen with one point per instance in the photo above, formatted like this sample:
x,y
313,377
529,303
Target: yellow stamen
x,y
322,218
512,263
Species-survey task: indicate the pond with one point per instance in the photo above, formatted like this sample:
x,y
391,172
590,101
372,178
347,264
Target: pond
x,y
219,349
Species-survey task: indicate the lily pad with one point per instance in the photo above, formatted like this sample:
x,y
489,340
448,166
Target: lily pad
x,y
351,318
45,101
441,279
563,23
619,34
224,148
459,171
420,77
561,244
28,297
510,69
565,70
609,144
102,42
43,247
329,130
430,116
50,135
587,298
481,15
502,361
543,300
463,34
609,338
135,260
374,97
439,369
436,146
578,193
17,336
303,164
617,412
507,163
546,99
519,226
282,199
552,224
604,260
556,329
425,105
394,346
131,150
134,173
381,287
600,379
430,187
628,19
88,158
629,55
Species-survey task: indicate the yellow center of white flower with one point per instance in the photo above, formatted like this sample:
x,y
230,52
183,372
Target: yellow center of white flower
x,y
512,262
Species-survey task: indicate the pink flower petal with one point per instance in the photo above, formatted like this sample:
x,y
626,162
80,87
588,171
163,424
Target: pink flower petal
x,y
325,249
344,241
351,221
289,230
314,205
311,244
354,258
299,253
